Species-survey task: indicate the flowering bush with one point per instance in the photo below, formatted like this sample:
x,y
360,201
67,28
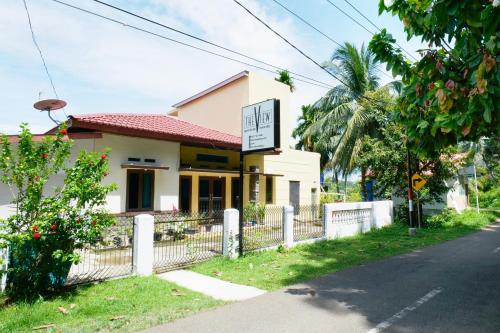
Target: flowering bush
x,y
50,222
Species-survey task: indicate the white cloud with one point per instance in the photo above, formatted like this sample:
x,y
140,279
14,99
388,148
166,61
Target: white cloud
x,y
100,66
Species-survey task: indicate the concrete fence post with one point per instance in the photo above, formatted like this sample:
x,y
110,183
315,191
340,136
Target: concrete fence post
x,y
288,226
143,244
4,262
327,220
231,231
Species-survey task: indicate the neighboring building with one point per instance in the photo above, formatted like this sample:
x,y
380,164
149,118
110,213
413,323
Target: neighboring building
x,y
189,159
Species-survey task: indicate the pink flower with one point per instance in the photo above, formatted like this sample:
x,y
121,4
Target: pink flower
x,y
439,65
418,89
450,84
104,156
36,235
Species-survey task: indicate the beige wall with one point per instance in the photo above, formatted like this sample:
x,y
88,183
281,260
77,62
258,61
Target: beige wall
x,y
298,166
220,109
262,88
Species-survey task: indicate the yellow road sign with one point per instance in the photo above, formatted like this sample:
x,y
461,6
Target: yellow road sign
x,y
417,182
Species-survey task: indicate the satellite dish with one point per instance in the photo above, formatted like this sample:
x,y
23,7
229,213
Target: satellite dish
x,y
49,105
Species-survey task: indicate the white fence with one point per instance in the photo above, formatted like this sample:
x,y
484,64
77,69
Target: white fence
x,y
4,258
336,221
350,218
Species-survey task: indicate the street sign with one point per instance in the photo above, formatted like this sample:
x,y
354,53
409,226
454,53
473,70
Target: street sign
x,y
260,130
417,182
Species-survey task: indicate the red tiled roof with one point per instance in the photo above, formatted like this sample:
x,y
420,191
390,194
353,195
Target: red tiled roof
x,y
14,138
155,126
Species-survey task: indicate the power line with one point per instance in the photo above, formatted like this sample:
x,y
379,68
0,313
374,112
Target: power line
x,y
321,32
202,40
299,50
349,16
33,37
307,23
378,28
322,85
289,43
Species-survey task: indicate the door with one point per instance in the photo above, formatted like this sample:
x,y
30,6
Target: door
x,y
211,194
140,190
235,193
185,194
295,195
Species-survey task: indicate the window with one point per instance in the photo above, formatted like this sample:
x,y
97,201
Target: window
x,y
211,158
140,190
269,190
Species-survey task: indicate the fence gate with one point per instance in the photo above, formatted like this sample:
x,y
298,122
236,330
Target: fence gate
x,y
181,239
110,257
308,222
262,227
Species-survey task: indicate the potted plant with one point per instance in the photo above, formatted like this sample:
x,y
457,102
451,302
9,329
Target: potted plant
x,y
158,234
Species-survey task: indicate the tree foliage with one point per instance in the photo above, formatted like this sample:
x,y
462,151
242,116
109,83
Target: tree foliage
x,y
452,92
49,222
349,112
284,77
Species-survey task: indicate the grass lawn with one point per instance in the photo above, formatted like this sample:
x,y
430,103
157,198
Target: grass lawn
x,y
272,270
121,305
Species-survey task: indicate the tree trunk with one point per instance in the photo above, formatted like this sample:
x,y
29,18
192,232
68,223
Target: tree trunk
x,y
363,181
336,177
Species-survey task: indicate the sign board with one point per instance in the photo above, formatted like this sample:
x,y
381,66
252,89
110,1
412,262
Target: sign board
x,y
417,182
260,128
467,171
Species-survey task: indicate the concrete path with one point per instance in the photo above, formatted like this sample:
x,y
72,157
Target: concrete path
x,y
210,286
450,287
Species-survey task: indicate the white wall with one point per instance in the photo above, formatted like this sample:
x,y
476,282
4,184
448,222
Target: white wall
x,y
346,218
166,153
6,196
122,147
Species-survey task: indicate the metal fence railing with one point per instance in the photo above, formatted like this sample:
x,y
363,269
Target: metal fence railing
x,y
110,257
263,228
308,222
181,239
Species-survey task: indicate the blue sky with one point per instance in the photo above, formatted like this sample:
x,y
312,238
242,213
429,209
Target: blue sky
x,y
98,66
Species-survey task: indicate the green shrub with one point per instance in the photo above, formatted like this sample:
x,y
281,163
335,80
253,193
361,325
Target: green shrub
x,y
489,199
440,220
45,229
254,212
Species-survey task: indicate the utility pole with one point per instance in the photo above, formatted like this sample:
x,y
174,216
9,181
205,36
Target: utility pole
x,y
475,185
240,204
411,229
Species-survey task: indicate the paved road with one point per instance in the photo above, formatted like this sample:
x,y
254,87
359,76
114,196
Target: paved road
x,y
451,287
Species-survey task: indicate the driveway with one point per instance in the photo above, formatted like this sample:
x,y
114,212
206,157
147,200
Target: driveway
x,y
450,287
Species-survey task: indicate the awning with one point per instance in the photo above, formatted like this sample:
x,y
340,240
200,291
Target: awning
x,y
208,170
144,166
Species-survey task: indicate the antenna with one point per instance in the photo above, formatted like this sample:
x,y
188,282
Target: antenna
x,y
49,105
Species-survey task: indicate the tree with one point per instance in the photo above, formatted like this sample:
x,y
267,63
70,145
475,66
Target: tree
x,y
48,223
306,119
284,77
349,111
452,93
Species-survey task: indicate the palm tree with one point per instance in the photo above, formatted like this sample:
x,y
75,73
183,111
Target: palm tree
x,y
284,77
352,110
